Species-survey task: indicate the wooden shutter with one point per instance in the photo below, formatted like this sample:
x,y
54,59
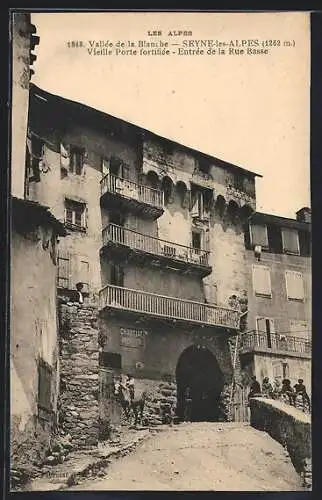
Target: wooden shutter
x,y
261,325
63,270
104,166
294,285
195,203
262,281
290,240
258,233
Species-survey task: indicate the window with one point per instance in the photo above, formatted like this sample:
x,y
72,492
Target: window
x,y
305,243
104,166
63,270
274,238
44,386
277,369
76,160
110,360
286,370
266,326
299,329
294,285
36,153
196,240
258,233
290,240
117,275
75,214
200,202
262,281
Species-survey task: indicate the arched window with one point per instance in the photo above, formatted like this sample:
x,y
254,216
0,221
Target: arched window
x,y
167,187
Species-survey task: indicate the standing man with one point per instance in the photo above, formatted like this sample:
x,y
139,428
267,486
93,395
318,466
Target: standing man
x,y
300,389
187,405
255,388
130,386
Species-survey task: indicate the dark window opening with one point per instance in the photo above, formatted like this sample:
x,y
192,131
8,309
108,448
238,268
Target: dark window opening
x,y
305,243
36,156
117,275
204,166
76,160
110,360
115,164
275,238
196,240
117,218
268,333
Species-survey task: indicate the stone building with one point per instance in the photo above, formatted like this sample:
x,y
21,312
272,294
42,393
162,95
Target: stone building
x,y
155,234
34,359
278,341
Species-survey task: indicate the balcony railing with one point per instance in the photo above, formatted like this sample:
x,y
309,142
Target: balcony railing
x,y
167,307
128,189
123,236
275,342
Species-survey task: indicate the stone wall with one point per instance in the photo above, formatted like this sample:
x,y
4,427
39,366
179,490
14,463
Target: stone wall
x,y
289,426
79,388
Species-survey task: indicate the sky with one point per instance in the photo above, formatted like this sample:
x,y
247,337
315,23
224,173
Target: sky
x,y
250,110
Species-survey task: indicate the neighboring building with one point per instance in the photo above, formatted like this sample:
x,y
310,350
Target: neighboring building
x,y
156,236
34,356
278,343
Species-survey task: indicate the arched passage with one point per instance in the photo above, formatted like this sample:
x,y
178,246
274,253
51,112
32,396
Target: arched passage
x,y
198,369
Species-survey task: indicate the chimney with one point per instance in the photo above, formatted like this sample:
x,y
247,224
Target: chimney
x,y
304,215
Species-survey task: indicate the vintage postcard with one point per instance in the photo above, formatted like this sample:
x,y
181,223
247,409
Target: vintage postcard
x,y
160,251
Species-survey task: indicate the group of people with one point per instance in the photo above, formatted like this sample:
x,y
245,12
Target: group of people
x,y
281,390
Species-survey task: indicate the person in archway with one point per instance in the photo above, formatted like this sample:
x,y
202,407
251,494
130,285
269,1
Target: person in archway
x,y
255,388
187,405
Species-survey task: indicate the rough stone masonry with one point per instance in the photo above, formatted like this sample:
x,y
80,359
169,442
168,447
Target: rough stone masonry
x,y
79,384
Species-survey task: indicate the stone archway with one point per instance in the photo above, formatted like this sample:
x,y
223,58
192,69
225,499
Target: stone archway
x,y
198,369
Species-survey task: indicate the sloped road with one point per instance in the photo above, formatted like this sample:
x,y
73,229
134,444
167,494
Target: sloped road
x,y
202,456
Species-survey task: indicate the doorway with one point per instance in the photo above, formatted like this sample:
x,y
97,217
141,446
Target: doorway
x,y
198,369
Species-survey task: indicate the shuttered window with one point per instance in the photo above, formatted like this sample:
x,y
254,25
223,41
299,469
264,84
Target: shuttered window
x,y
258,234
63,270
290,240
262,281
294,285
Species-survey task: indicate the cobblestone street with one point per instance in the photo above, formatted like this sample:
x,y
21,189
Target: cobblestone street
x,y
202,456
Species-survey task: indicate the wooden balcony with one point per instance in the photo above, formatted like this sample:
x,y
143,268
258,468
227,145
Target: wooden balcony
x,y
275,343
121,193
160,306
129,245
